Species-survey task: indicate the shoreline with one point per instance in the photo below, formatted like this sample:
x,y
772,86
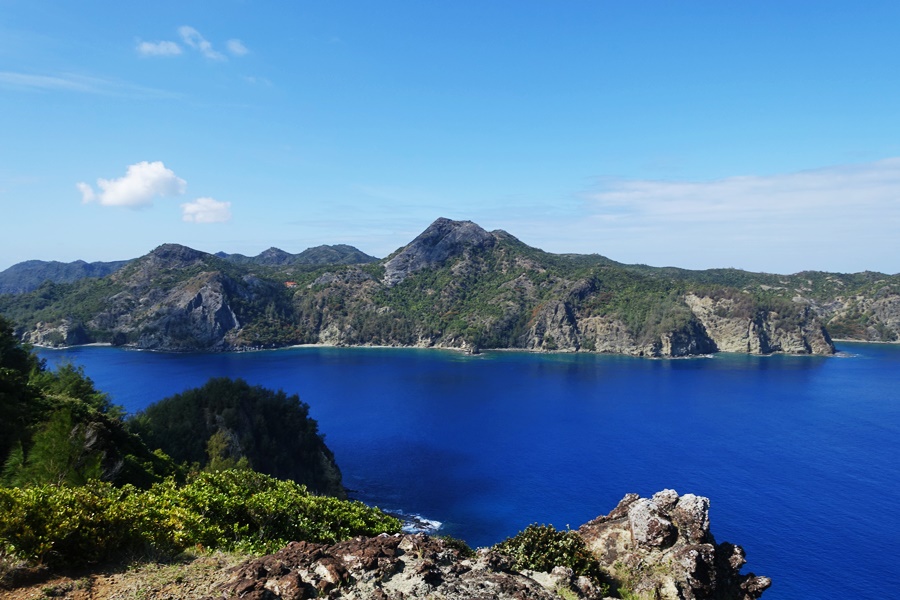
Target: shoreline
x,y
849,341
462,351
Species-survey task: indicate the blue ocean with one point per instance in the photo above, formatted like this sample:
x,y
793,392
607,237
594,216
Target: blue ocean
x,y
800,456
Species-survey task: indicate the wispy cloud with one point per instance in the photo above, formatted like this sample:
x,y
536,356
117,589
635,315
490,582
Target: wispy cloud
x,y
163,48
142,182
206,210
237,47
70,82
831,195
192,38
778,223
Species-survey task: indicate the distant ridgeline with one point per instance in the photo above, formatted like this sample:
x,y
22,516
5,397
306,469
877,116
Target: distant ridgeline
x,y
454,286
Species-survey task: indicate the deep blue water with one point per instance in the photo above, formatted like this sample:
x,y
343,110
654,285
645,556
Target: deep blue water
x,y
800,456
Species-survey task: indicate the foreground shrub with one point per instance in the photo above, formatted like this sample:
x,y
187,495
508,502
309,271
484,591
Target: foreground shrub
x,y
228,510
542,547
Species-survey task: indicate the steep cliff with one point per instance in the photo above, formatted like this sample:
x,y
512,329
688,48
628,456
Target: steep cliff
x,y
732,327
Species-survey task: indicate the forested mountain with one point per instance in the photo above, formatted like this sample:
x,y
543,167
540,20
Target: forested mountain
x,y
458,286
29,275
26,276
339,254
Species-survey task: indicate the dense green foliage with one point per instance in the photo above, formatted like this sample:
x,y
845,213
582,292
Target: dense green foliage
x,y
270,430
74,475
542,547
56,427
17,397
229,510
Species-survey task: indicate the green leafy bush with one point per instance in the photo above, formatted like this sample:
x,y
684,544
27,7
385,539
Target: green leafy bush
x,y
227,510
542,547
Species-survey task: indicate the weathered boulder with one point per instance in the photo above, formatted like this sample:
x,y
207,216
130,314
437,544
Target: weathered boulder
x,y
662,547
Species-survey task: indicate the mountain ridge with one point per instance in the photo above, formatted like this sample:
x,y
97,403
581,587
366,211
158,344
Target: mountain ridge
x,y
459,286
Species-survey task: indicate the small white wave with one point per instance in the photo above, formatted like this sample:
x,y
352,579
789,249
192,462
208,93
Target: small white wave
x,y
413,523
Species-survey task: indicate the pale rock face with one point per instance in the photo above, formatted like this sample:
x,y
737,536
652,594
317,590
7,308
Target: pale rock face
x,y
64,333
554,328
648,528
760,333
662,547
607,335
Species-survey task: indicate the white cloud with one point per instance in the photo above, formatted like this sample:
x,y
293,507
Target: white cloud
x,y
206,210
192,38
237,47
70,82
163,48
842,218
142,182
828,193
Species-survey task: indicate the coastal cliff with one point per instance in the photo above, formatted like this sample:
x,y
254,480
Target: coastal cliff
x,y
457,286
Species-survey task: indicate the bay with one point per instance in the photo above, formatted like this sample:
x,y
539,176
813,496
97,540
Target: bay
x,y
799,455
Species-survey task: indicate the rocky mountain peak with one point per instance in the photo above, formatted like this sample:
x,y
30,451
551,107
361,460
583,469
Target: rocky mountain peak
x,y
442,239
176,254
274,256
142,271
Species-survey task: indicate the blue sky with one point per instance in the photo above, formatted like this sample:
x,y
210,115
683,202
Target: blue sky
x,y
758,135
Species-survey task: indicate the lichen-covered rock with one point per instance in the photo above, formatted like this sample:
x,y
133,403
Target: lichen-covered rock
x,y
662,547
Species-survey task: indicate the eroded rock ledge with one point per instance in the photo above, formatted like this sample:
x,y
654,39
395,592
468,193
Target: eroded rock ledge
x,y
658,547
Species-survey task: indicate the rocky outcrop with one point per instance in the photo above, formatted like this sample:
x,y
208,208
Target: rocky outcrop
x,y
443,239
661,547
873,319
195,314
381,568
56,335
733,328
554,327
657,547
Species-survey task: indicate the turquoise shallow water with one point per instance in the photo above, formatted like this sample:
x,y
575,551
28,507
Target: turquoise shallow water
x,y
799,455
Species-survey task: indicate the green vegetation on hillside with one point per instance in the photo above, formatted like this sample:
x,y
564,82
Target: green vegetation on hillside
x,y
227,510
78,488
56,427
